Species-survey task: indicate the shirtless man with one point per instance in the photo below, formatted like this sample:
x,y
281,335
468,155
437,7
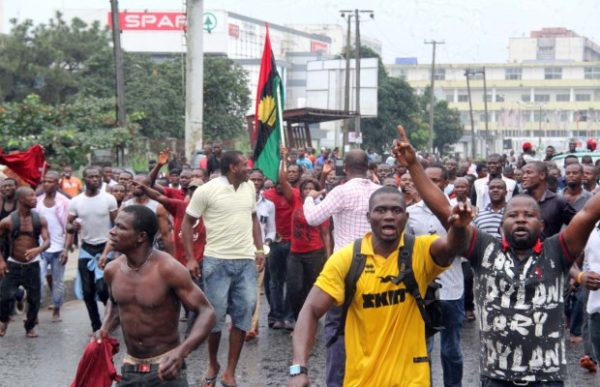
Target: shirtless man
x,y
147,288
21,267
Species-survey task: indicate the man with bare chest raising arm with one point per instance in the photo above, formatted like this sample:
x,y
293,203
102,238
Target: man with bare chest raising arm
x,y
147,288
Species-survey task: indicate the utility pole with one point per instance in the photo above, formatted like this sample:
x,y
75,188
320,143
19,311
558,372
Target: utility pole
x,y
347,84
468,73
485,104
434,44
346,13
194,80
119,74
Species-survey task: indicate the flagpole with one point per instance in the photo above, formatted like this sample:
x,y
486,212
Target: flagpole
x,y
280,115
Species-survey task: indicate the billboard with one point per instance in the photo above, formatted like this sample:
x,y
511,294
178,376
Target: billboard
x,y
326,80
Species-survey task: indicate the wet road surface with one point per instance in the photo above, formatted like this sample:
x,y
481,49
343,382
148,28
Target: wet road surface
x,y
51,360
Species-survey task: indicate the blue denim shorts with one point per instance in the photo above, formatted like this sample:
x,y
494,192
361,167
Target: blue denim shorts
x,y
230,286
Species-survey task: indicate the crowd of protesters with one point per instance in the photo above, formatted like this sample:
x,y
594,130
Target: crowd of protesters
x,y
240,235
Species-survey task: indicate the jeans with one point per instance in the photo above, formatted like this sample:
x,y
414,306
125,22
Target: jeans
x,y
487,382
468,276
277,262
302,272
453,314
91,288
28,276
57,271
335,361
594,327
577,312
230,286
151,379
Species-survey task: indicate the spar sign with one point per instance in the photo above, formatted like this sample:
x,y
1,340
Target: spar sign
x,y
159,21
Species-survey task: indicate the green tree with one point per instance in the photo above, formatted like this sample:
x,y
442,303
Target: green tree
x,y
226,98
68,132
397,104
49,60
447,127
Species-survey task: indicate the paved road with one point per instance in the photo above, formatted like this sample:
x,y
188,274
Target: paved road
x,y
51,359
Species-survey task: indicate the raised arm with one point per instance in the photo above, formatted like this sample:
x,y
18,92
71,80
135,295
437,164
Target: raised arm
x,y
286,188
579,229
433,197
195,301
163,159
445,249
187,232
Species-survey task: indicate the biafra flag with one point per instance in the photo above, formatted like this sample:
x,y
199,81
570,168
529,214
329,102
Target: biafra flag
x,y
267,117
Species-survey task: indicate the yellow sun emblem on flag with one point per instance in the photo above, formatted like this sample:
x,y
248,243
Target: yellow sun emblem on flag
x,y
266,110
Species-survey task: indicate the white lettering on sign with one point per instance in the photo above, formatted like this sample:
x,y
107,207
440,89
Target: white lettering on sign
x,y
150,21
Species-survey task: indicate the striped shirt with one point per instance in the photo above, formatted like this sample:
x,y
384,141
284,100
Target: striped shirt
x,y
489,221
348,204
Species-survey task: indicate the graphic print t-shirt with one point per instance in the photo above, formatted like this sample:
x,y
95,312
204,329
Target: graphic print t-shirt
x,y
521,309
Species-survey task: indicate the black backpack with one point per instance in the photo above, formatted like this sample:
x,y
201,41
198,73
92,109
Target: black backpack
x,y
16,227
429,306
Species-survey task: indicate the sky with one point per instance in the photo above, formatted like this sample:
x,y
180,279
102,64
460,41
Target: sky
x,y
474,31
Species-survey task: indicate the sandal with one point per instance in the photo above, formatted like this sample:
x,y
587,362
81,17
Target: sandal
x,y
224,384
31,334
212,380
3,327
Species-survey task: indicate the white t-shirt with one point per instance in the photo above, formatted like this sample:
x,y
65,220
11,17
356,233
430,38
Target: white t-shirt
x,y
592,262
94,213
55,229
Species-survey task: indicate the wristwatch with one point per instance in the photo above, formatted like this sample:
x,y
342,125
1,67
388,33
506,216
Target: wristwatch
x,y
297,369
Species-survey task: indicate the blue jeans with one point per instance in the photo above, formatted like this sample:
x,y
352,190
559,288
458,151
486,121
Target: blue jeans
x,y
230,286
577,312
277,262
453,314
57,271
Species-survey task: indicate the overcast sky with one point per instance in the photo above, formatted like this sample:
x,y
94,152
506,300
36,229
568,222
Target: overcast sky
x,y
473,30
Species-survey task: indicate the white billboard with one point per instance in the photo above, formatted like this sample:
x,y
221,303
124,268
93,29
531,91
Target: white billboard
x,y
326,82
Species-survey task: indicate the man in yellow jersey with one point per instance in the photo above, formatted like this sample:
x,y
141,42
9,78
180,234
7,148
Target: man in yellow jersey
x,y
384,331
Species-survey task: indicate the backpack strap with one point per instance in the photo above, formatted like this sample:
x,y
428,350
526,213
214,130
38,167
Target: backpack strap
x,y
406,274
16,225
356,268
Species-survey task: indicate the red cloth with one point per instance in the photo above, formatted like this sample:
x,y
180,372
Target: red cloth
x,y
28,165
305,238
177,209
96,367
283,212
173,193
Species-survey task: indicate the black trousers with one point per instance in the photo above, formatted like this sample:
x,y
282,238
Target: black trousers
x,y
28,276
468,277
302,272
91,287
150,379
487,382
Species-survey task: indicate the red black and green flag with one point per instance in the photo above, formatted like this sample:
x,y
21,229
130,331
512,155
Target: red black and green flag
x,y
268,115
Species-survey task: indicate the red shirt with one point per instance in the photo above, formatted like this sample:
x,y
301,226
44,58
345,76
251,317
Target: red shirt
x,y
173,193
96,367
305,238
177,209
283,212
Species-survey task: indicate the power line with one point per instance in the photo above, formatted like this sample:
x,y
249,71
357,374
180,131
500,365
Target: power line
x,y
434,44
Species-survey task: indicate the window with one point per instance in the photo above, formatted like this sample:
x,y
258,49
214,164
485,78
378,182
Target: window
x,y
580,116
489,98
592,72
563,97
439,74
583,97
525,98
482,117
499,98
463,98
512,73
564,116
538,133
541,98
553,73
539,116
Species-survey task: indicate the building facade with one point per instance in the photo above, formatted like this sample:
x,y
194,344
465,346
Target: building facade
x,y
543,101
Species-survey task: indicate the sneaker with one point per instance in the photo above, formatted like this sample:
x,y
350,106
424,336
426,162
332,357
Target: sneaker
x,y
588,363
